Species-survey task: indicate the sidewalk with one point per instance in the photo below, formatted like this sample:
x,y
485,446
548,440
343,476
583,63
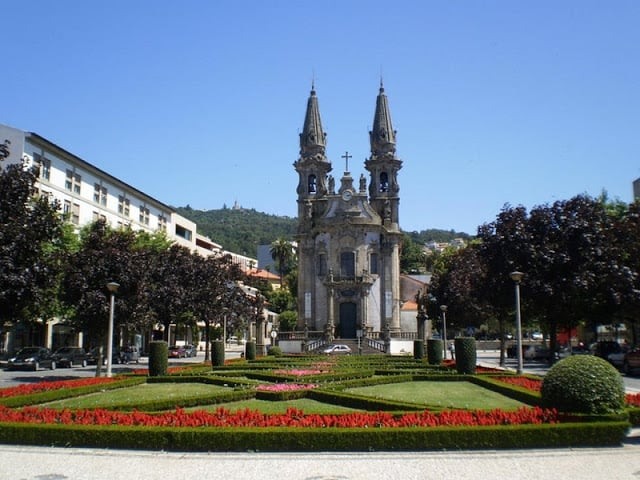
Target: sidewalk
x,y
37,463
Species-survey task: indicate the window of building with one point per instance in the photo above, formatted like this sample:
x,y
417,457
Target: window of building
x,y
100,194
73,182
98,216
322,264
373,263
144,215
162,223
44,166
124,206
75,214
347,265
384,182
66,209
311,183
183,232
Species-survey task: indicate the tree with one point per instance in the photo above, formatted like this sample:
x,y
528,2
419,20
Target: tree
x,y
283,254
412,256
104,256
504,247
30,233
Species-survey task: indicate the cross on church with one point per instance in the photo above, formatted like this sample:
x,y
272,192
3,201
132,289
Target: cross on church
x,y
346,157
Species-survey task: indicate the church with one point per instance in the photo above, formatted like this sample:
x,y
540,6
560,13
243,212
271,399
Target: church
x,y
348,235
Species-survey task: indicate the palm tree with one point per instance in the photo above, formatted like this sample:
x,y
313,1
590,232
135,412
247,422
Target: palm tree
x,y
282,253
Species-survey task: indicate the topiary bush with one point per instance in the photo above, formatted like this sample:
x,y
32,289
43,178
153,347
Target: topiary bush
x,y
583,384
275,351
250,351
434,351
217,353
465,348
418,349
158,358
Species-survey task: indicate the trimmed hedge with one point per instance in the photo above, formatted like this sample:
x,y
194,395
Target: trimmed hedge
x,y
250,350
318,439
465,355
418,349
62,393
217,353
584,384
158,358
435,353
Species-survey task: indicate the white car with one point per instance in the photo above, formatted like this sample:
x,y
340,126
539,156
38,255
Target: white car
x,y
337,349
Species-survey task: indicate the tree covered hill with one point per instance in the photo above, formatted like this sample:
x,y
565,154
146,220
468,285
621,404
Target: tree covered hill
x,y
241,230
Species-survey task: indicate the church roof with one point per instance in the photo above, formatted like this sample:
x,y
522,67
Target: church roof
x,y
382,136
312,138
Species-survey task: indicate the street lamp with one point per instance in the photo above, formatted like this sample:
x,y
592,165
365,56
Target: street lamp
x,y
113,288
517,278
444,328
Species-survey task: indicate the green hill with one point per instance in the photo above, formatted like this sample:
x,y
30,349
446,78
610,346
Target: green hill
x,y
242,230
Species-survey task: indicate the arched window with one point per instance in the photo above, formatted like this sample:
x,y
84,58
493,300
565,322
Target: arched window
x,y
384,182
311,184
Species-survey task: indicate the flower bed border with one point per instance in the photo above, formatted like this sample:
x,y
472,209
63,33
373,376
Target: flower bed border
x,y
318,439
576,432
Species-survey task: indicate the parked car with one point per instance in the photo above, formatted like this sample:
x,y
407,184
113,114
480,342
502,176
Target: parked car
x,y
536,336
233,340
92,356
337,350
177,351
130,354
190,350
70,356
631,361
603,349
32,358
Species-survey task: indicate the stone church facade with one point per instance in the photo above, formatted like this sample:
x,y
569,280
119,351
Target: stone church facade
x,y
348,234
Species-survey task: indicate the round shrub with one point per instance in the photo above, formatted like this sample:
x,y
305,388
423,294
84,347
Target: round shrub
x,y
465,348
217,353
418,349
158,358
434,351
583,384
275,351
250,351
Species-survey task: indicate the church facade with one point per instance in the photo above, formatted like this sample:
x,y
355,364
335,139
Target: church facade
x,y
348,234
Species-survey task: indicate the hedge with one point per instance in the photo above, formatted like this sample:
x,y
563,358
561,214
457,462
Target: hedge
x,y
281,439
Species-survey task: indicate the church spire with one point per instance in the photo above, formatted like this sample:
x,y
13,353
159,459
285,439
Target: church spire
x,y
312,138
382,137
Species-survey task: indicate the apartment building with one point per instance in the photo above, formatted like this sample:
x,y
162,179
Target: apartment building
x,y
88,193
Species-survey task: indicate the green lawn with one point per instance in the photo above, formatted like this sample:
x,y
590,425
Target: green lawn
x,y
266,406
132,396
461,395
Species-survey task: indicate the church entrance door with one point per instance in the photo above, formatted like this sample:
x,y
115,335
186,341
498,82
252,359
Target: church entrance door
x,y
348,320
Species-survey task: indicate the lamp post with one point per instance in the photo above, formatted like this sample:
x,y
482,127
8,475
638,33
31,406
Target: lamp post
x,y
113,288
444,328
517,278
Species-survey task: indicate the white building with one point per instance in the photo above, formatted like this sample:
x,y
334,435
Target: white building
x,y
87,193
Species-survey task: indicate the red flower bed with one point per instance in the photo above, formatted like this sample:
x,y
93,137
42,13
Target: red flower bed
x,y
528,383
29,388
633,399
292,418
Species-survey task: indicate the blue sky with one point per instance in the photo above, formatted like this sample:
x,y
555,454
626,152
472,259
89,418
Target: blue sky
x,y
200,102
